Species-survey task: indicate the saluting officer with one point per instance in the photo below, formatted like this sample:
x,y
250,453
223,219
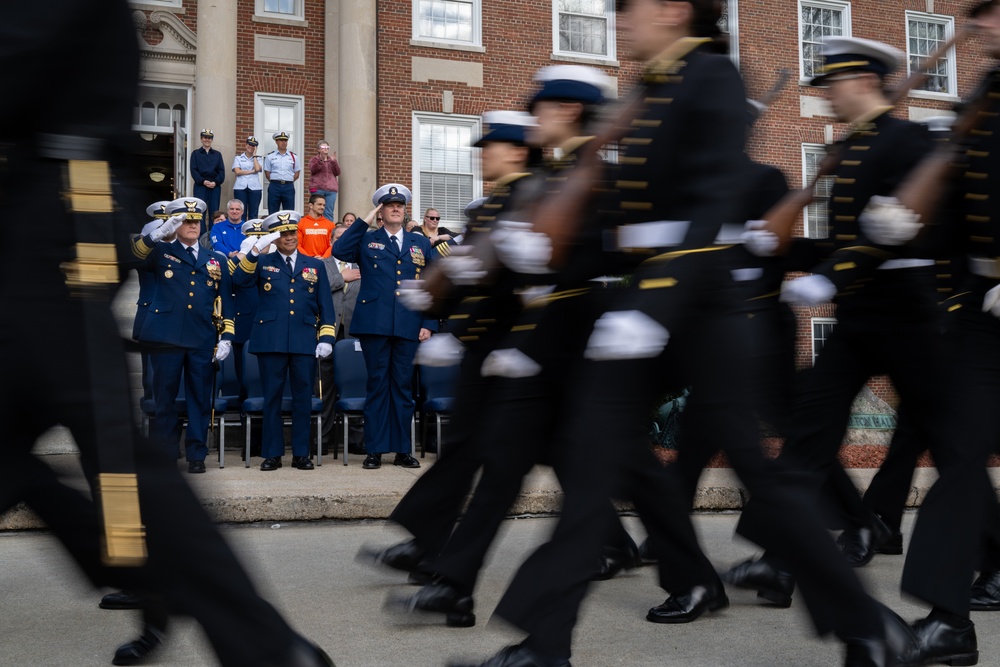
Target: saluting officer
x,y
189,281
294,324
247,167
389,332
282,169
147,288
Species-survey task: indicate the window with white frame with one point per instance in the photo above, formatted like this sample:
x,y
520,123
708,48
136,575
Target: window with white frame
x,y
448,21
281,9
924,34
445,167
280,113
164,3
817,213
729,23
822,327
158,108
819,19
584,28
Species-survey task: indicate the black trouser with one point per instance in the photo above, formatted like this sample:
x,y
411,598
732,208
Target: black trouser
x,y
946,546
707,346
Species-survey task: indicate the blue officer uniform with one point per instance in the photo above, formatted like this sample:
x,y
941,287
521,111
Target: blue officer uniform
x,y
227,237
180,328
147,288
207,166
247,187
294,313
282,168
387,329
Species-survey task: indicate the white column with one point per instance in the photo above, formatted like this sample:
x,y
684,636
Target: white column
x,y
357,99
215,83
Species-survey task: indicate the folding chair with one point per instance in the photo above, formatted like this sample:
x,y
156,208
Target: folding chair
x,y
350,379
437,386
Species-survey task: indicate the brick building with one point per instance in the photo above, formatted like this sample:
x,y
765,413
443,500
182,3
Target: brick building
x,y
397,86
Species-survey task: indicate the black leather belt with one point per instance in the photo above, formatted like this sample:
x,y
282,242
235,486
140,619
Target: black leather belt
x,y
281,182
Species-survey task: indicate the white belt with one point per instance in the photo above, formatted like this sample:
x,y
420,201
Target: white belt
x,y
730,234
658,234
747,274
905,264
986,267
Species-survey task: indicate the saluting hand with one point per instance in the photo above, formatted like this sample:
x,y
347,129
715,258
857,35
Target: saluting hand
x,y
168,227
247,245
264,242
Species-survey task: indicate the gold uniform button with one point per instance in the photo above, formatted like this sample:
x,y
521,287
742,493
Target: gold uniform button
x,y
189,306
190,293
397,273
399,261
293,280
397,294
374,266
291,312
398,283
192,273
291,301
291,290
192,282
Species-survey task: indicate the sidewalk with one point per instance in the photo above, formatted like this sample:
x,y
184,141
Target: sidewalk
x,y
237,494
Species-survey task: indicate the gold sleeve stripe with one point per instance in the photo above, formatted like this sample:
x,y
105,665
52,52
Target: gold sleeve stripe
x,y
248,266
328,330
140,249
444,249
232,267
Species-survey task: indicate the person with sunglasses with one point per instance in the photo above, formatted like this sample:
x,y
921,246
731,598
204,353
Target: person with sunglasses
x,y
432,229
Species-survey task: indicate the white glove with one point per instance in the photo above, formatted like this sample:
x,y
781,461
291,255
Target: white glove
x,y
222,350
626,334
168,227
414,297
887,222
264,242
808,291
463,269
521,249
248,243
758,240
991,302
150,226
509,363
439,350
323,350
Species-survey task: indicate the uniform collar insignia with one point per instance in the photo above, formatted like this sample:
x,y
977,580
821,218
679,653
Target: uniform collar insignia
x,y
510,178
669,61
867,121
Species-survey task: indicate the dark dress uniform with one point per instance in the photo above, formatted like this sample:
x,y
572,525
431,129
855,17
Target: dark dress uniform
x,y
207,165
387,329
294,313
683,161
188,563
179,325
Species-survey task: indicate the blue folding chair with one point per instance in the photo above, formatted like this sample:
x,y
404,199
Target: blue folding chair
x,y
350,379
254,405
437,386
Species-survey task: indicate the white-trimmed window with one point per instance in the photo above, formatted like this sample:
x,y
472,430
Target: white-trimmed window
x,y
817,213
448,21
445,166
924,34
819,19
159,107
281,9
157,3
280,113
729,23
584,28
822,327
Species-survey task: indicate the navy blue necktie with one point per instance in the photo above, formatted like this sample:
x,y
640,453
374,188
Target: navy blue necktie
x,y
288,261
193,258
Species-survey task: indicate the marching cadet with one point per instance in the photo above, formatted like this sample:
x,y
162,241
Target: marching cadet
x,y
389,332
282,169
147,287
193,303
293,327
679,179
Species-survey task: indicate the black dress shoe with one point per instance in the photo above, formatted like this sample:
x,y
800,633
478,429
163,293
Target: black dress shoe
x,y
304,653
770,583
985,595
405,556
893,546
405,461
512,656
136,651
688,606
195,467
616,559
302,463
861,544
271,463
372,461
121,600
444,598
867,653
940,641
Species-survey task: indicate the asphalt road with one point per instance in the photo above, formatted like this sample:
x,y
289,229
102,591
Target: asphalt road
x,y
49,614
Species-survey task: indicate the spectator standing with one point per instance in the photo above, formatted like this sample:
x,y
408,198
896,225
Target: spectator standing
x,y
324,170
282,169
315,231
247,188
389,332
227,234
432,229
208,173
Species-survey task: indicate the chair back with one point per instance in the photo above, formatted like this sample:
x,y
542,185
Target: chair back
x,y
350,375
438,382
